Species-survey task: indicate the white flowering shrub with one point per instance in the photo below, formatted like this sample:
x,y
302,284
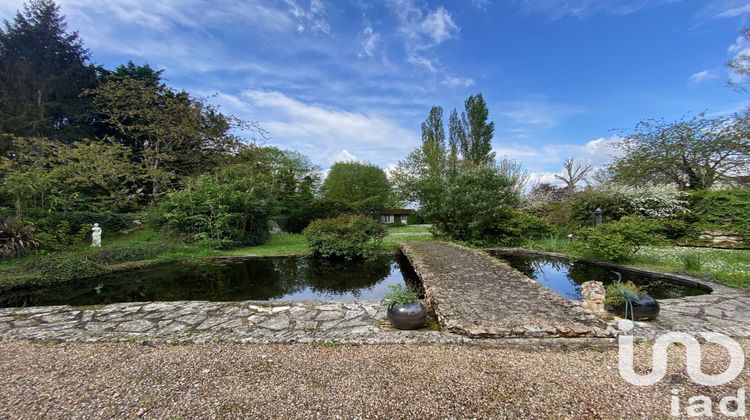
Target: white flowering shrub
x,y
616,201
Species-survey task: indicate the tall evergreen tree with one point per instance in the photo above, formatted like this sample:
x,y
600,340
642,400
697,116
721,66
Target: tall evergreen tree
x,y
456,139
43,70
477,147
433,141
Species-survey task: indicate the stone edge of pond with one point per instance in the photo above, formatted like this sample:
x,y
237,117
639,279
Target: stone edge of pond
x,y
682,279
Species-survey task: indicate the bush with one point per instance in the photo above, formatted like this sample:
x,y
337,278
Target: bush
x,y
299,217
475,204
720,210
347,236
617,201
66,267
16,238
59,230
615,241
510,227
219,209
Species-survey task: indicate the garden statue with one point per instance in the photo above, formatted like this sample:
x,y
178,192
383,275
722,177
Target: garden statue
x,y
598,216
593,298
96,235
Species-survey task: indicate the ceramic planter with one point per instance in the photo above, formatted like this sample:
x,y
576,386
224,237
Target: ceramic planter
x,y
644,309
407,317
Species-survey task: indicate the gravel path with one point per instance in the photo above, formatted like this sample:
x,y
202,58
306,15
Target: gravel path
x,y
95,380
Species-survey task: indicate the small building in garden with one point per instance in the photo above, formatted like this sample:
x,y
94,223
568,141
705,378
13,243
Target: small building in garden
x,y
395,216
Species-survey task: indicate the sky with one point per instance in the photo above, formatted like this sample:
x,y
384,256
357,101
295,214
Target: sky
x,y
353,79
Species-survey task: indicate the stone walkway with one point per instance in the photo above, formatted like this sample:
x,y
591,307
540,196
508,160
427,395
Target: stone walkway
x,y
476,295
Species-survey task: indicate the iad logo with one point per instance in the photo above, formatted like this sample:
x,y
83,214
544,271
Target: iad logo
x,y
699,405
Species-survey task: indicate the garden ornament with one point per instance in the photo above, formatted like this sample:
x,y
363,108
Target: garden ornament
x,y
96,235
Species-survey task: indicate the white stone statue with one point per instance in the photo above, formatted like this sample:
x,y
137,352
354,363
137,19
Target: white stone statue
x,y
96,235
593,298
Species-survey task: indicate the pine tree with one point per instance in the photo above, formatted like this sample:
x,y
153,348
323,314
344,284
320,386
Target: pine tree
x,y
43,70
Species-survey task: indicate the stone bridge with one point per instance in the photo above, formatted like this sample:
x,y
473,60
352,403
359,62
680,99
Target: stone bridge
x,y
477,295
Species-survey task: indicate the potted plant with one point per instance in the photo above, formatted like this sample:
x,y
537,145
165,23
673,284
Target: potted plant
x,y
405,310
627,300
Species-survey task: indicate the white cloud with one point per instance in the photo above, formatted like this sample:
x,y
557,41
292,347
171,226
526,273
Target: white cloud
x,y
735,11
369,40
324,133
537,112
701,77
458,81
545,161
439,26
343,156
481,4
312,18
422,30
558,9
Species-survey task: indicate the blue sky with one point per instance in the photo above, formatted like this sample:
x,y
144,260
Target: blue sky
x,y
353,79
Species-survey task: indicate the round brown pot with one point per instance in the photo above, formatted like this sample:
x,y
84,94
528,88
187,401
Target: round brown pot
x,y
407,317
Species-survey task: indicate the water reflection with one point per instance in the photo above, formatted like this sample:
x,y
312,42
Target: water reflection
x,y
565,278
248,279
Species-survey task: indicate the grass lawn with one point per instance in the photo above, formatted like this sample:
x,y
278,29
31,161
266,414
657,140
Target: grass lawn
x,y
725,266
15,271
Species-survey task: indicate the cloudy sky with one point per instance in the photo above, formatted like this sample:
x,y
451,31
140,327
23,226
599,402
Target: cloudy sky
x,y
353,79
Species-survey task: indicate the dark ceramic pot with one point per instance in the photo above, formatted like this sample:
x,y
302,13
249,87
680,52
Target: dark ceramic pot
x,y
644,309
407,317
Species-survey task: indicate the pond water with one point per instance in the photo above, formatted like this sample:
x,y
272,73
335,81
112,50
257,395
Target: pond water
x,y
565,278
273,278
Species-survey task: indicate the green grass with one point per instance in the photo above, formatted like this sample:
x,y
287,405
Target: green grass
x,y
725,266
13,272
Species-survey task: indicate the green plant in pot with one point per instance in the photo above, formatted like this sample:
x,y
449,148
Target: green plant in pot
x,y
405,310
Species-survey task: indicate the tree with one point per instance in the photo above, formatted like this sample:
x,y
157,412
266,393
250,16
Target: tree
x,y
693,153
360,185
293,179
456,138
573,174
740,65
477,146
43,70
433,142
171,133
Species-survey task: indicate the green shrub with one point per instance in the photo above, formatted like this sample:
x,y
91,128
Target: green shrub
x,y
66,267
616,241
398,294
135,252
720,210
16,238
218,209
296,219
347,236
510,227
613,296
59,230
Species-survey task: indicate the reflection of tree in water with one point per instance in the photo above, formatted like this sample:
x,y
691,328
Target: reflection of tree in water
x,y
341,277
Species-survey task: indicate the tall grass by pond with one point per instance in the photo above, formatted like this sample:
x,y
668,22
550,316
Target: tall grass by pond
x,y
729,267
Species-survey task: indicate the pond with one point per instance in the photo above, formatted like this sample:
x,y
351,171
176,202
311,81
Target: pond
x,y
565,278
272,278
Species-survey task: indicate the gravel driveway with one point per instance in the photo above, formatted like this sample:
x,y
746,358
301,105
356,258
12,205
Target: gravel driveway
x,y
42,379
